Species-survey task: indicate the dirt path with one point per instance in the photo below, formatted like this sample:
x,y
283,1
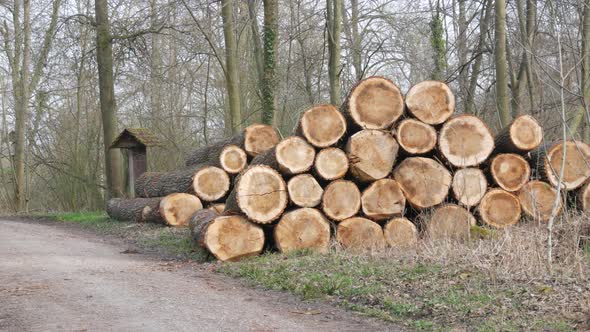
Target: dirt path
x,y
56,278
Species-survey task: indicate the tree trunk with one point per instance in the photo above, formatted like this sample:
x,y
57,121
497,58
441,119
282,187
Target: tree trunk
x,y
400,233
233,159
341,200
502,98
331,164
462,51
450,221
465,141
499,208
372,154
211,183
198,224
415,137
424,181
536,199
304,228
383,199
576,168
522,135
322,125
437,42
510,171
130,209
305,191
373,103
469,186
159,184
360,234
231,66
271,31
172,210
260,193
585,84
431,102
475,69
334,20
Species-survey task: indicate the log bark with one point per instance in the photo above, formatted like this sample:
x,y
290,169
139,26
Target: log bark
x,y
450,221
294,155
228,238
465,141
537,198
233,159
177,209
305,191
331,164
210,153
372,154
322,126
373,103
576,169
211,183
341,200
198,224
424,181
469,186
260,193
130,209
304,228
415,137
510,171
499,208
360,234
383,199
160,184
400,232
524,134
431,102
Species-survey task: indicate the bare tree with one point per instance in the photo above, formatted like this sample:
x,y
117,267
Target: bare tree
x,y
502,98
334,21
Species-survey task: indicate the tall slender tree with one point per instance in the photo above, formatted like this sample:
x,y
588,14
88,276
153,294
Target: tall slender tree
x,y
271,29
583,113
502,98
231,66
438,45
334,21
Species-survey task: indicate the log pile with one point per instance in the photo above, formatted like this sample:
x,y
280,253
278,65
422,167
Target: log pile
x,y
381,171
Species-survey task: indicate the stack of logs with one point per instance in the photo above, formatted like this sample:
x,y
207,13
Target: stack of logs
x,y
381,171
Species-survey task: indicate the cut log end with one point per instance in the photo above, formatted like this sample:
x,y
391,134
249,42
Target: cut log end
x,y
304,228
450,221
341,200
577,164
510,171
261,194
211,183
537,198
400,232
382,200
322,125
177,209
469,186
360,234
424,181
372,154
233,159
331,164
305,191
259,138
375,103
465,141
230,238
415,137
431,102
294,155
499,208
525,133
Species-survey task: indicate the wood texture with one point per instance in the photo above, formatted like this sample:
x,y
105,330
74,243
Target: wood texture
x,y
331,164
537,199
577,164
211,183
499,208
465,141
305,191
383,199
400,232
341,200
431,102
510,171
360,234
304,228
524,134
322,125
231,238
160,184
424,181
450,221
233,159
372,154
177,209
469,186
130,209
415,137
294,155
259,138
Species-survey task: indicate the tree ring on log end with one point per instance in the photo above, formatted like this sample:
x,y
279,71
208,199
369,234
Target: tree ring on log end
x,y
469,186
537,199
294,155
465,141
400,232
259,138
450,221
331,164
431,102
305,191
177,209
526,133
211,183
233,159
499,208
323,125
261,193
341,200
304,228
424,181
577,165
510,171
375,103
230,238
360,233
416,137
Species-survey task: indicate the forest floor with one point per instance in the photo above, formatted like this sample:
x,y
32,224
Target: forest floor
x,y
404,292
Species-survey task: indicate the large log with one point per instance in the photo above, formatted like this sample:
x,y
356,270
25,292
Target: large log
x,y
450,221
415,137
431,102
211,183
294,155
499,208
465,141
305,191
576,169
160,184
341,200
177,209
374,103
372,154
383,199
510,171
469,186
304,228
198,224
424,181
400,232
331,164
233,159
322,125
130,209
360,233
522,135
260,193
228,238
537,199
